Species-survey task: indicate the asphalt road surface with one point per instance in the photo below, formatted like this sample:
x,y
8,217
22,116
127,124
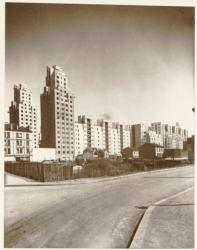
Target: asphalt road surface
x,y
87,214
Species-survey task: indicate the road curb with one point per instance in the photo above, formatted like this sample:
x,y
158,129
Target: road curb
x,y
143,227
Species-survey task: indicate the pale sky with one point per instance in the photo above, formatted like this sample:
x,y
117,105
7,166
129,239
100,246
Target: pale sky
x,y
130,64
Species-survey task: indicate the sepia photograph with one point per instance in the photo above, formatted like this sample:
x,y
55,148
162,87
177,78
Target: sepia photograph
x,y
99,124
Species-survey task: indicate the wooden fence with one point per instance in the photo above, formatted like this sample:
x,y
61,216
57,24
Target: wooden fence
x,y
44,172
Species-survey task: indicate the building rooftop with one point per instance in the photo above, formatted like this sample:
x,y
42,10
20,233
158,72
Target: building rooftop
x,y
13,127
152,145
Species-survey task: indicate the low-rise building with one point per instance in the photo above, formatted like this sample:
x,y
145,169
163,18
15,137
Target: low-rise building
x,y
151,151
189,146
135,153
175,154
18,142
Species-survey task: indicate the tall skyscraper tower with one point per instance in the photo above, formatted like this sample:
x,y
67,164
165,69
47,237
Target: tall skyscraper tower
x,y
23,113
57,115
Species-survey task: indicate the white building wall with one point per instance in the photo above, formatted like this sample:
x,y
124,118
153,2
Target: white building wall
x,y
126,138
154,137
43,154
115,148
98,139
17,144
80,143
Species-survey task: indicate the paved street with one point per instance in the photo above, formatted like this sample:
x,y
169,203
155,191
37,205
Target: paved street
x,y
87,214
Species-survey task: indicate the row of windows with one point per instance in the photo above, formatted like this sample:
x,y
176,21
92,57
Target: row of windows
x,y
61,77
68,152
18,151
64,105
71,138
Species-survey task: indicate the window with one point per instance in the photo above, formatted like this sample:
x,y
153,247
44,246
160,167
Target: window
x,y
7,134
19,142
18,135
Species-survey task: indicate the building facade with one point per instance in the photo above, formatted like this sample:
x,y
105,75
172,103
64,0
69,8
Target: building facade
x,y
153,137
57,115
22,113
138,135
80,138
151,151
88,130
159,128
18,142
172,136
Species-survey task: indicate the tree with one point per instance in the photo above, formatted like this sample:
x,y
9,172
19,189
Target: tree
x,y
88,150
127,153
100,153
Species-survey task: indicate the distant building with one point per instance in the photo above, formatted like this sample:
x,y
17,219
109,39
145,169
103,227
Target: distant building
x,y
23,113
138,135
98,139
151,151
135,153
111,136
125,136
189,146
88,130
159,128
153,137
114,135
175,154
172,136
18,142
80,138
57,115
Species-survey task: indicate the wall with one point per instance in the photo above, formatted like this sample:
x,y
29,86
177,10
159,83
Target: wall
x,y
41,154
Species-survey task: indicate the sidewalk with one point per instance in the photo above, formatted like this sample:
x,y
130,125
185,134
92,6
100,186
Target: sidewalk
x,y
168,223
11,179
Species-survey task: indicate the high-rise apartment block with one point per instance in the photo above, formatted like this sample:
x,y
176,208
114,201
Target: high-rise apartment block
x,y
102,134
159,128
88,129
153,137
172,136
111,136
138,135
57,115
80,138
68,137
23,113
